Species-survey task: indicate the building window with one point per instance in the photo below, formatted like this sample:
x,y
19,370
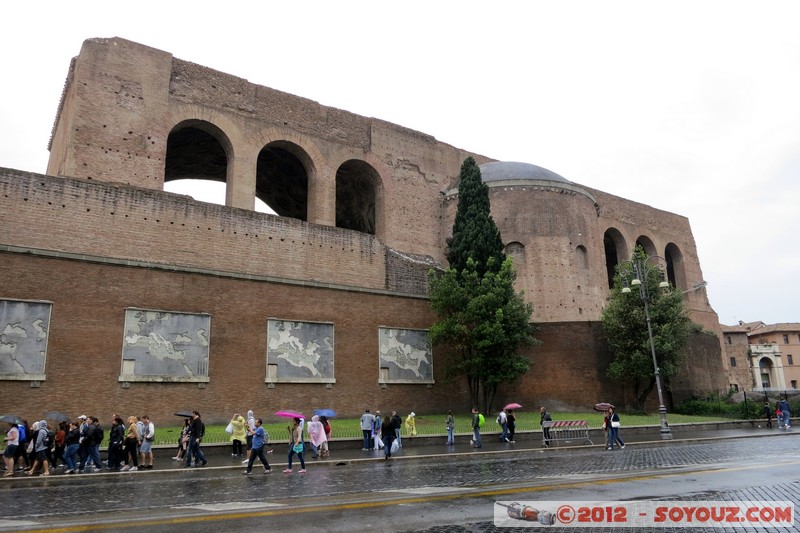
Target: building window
x,y
794,383
786,339
729,339
733,361
789,359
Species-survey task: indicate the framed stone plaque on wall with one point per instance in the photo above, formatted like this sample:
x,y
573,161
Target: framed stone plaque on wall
x,y
24,330
165,346
299,352
405,356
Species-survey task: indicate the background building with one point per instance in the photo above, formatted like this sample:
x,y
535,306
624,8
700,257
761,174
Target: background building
x,y
128,296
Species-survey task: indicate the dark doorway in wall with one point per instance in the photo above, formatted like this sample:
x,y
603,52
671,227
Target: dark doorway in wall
x,y
614,245
356,196
196,150
282,179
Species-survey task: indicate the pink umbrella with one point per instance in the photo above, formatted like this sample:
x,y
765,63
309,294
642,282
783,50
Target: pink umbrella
x,y
513,406
602,406
290,414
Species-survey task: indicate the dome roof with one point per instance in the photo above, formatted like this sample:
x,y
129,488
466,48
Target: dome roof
x,y
510,170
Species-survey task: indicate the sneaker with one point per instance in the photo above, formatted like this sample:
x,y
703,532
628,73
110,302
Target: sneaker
x,y
471,442
245,461
302,470
246,472
622,447
176,458
267,470
506,439
287,471
134,469
125,468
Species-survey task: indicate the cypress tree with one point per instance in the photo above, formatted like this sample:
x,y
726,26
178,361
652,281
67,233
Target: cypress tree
x,y
475,235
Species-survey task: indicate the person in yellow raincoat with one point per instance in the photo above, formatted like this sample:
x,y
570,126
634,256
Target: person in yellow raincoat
x,y
411,424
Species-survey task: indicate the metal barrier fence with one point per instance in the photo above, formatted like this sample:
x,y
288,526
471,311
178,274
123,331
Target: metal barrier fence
x,y
565,431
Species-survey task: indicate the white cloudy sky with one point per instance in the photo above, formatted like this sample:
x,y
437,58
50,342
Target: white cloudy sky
x,y
691,107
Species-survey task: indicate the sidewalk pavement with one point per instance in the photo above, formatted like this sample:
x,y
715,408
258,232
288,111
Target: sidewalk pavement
x,y
348,451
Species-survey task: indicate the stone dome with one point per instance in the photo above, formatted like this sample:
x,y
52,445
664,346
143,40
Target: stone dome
x,y
510,170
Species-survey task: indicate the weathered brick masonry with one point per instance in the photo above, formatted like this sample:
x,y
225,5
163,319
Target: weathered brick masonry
x,y
98,235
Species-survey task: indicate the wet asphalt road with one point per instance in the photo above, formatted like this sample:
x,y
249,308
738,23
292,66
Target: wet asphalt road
x,y
426,487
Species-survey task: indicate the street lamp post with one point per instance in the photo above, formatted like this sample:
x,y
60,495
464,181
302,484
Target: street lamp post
x,y
638,270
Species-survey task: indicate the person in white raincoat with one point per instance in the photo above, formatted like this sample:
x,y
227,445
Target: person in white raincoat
x,y
316,432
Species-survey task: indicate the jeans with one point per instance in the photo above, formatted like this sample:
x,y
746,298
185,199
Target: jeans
x,y
613,436
451,436
69,456
504,434
299,456
787,419
91,455
398,437
476,436
367,436
387,445
257,452
194,449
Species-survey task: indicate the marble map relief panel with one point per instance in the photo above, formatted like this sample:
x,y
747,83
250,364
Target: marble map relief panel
x,y
299,352
24,328
165,346
405,355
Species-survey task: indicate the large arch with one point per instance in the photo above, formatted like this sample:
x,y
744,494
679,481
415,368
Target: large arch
x,y
282,178
676,270
765,368
645,242
197,149
358,192
616,250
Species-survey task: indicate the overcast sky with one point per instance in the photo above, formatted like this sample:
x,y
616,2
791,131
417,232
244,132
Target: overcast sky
x,y
691,107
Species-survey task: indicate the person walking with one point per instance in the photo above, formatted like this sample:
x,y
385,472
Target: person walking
x,y
116,439
450,426
259,441
251,426
768,414
367,420
411,424
71,447
387,436
326,426
476,428
502,421
197,431
11,441
786,414
613,430
316,435
238,435
131,444
376,431
512,425
296,446
544,416
397,422
146,446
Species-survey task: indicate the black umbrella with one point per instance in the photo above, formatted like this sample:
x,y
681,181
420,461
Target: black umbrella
x,y
11,419
185,414
58,417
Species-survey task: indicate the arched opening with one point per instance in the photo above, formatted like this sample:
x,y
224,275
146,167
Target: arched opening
x,y
197,150
357,186
645,242
615,249
675,268
581,259
765,369
516,251
282,179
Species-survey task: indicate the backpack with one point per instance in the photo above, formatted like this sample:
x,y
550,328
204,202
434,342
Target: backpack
x,y
22,434
98,435
481,420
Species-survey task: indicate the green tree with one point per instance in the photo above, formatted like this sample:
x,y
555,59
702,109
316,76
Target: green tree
x,y
625,327
481,315
475,235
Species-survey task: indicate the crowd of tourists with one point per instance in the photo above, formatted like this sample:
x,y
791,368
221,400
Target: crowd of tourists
x,y
74,445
